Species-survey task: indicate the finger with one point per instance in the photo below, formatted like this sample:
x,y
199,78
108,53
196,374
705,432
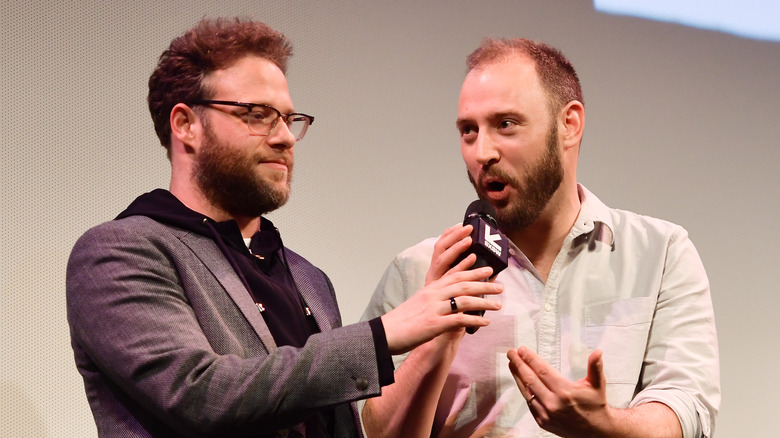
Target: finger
x,y
518,368
546,375
453,241
525,376
468,287
472,275
451,236
533,390
596,369
462,320
465,303
466,263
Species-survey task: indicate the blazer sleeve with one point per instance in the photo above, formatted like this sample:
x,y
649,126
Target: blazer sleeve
x,y
147,319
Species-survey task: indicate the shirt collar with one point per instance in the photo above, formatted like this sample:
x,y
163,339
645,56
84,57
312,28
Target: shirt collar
x,y
593,225
594,222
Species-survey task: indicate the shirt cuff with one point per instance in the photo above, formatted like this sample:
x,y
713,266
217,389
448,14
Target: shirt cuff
x,y
684,406
384,359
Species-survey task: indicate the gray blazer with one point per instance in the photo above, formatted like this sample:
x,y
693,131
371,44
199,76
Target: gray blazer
x,y
170,343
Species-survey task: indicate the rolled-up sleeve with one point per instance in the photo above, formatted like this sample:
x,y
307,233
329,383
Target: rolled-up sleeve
x,y
681,367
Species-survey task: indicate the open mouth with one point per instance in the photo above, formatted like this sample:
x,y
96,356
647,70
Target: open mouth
x,y
495,186
495,189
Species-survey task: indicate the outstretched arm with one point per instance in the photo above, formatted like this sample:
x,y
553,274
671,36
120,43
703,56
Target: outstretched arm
x,y
580,409
407,407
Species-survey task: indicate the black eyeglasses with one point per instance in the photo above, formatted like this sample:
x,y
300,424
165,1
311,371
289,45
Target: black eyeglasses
x,y
261,119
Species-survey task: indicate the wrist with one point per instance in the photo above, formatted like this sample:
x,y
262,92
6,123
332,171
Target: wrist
x,y
654,420
442,347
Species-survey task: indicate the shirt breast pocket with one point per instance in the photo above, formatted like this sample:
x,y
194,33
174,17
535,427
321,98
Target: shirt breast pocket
x,y
620,330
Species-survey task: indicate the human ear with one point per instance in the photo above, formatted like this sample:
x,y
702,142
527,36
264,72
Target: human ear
x,y
185,124
572,123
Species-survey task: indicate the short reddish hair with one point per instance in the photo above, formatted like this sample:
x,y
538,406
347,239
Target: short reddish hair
x,y
557,75
210,45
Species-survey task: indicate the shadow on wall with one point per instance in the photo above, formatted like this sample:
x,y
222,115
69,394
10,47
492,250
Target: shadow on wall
x,y
19,415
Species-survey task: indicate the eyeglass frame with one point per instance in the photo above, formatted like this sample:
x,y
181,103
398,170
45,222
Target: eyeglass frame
x,y
249,106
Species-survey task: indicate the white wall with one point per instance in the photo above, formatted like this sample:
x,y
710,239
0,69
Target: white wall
x,y
681,124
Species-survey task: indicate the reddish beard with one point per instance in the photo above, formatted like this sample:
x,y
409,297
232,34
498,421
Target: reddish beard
x,y
533,193
229,180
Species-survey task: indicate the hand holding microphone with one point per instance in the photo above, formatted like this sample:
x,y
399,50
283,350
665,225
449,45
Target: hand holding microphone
x,y
488,243
434,309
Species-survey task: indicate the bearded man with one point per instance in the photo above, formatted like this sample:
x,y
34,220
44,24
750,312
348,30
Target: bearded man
x,y
607,320
188,316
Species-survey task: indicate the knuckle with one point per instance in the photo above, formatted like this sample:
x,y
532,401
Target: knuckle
x,y
459,318
566,398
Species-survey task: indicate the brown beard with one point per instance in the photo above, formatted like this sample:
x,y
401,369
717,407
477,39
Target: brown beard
x,y
534,192
229,181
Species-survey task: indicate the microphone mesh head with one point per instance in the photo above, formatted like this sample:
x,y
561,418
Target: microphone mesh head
x,y
482,209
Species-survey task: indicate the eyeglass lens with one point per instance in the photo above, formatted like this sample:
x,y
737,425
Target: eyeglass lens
x,y
262,120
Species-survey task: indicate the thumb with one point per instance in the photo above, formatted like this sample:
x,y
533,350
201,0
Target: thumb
x,y
596,370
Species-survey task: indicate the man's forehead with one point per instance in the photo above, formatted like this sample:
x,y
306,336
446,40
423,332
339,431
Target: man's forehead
x,y
518,70
252,79
507,79
248,69
499,94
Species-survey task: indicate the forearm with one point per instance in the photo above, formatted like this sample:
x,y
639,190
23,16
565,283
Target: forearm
x,y
649,420
251,394
162,335
407,407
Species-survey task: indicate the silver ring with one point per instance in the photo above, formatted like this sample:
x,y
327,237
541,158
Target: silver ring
x,y
453,305
533,396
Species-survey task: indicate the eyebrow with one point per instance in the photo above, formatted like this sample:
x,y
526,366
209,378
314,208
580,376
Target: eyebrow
x,y
499,115
246,102
460,122
509,114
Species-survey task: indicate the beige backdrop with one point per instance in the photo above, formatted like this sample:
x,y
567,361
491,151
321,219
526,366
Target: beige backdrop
x,y
681,124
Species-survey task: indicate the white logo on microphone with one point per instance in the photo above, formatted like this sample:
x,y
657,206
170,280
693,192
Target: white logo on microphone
x,y
491,241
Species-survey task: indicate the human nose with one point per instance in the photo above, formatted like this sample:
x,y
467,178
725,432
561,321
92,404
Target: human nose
x,y
485,150
280,135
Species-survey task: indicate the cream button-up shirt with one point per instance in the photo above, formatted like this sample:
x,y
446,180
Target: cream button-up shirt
x,y
630,285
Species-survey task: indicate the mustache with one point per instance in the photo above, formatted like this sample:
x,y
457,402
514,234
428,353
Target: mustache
x,y
285,159
493,174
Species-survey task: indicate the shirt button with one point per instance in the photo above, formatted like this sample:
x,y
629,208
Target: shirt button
x,y
547,307
361,383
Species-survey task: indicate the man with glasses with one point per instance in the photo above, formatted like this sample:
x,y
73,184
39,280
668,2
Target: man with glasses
x,y
188,315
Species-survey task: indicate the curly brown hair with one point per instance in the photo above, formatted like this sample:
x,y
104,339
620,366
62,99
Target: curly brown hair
x,y
213,44
557,75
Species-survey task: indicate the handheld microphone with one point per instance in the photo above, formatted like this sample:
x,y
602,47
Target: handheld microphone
x,y
488,243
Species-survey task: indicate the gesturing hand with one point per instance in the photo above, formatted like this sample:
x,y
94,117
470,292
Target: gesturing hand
x,y
560,406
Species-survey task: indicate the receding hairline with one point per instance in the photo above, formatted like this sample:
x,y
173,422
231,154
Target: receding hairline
x,y
554,71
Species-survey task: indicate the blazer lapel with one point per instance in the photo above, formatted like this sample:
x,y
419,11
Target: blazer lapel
x,y
215,261
315,290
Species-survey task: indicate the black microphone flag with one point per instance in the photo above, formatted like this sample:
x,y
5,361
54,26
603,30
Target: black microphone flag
x,y
489,244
